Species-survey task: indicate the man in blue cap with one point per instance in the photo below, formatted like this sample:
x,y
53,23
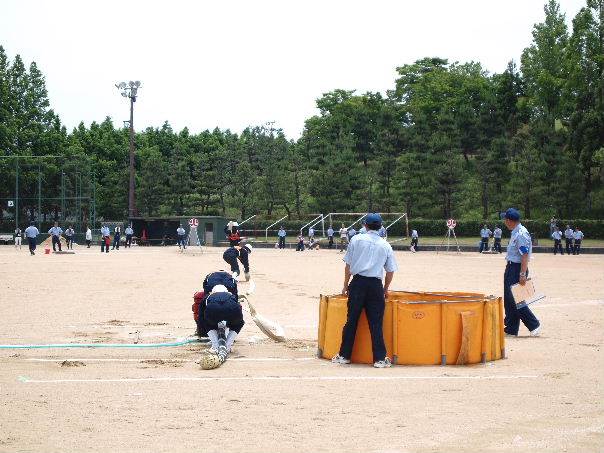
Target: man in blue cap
x,y
516,271
367,257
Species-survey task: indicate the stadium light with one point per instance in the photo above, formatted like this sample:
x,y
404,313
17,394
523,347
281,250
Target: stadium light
x,y
130,90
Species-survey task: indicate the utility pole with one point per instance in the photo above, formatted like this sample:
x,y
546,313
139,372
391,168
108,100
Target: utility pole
x,y
130,90
17,195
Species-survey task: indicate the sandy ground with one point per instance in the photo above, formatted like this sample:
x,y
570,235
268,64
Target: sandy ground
x,y
546,397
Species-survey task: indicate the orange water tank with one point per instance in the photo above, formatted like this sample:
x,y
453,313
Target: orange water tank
x,y
421,328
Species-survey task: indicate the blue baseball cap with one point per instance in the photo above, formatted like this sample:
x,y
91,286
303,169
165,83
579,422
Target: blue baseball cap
x,y
373,218
512,214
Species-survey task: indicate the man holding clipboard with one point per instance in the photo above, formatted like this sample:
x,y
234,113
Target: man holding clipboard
x,y
516,272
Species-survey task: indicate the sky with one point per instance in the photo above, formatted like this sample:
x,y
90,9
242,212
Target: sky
x,y
235,63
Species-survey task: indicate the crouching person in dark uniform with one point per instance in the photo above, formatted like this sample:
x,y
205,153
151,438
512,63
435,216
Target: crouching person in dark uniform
x,y
367,257
222,307
217,312
238,253
516,271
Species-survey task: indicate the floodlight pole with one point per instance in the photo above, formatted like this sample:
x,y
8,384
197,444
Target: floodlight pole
x,y
131,201
130,90
17,195
39,196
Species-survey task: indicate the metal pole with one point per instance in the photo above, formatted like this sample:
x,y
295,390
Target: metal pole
x,y
131,201
78,201
63,195
17,195
93,200
39,198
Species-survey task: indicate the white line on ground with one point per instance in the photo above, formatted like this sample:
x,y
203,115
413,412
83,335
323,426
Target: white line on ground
x,y
585,302
27,380
234,359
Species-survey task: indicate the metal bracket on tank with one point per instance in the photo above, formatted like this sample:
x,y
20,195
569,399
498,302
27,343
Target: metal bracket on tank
x,y
443,359
423,302
395,359
319,353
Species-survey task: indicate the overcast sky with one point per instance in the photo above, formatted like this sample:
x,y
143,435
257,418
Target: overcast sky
x,y
230,64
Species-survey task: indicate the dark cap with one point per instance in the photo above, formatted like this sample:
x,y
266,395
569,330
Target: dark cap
x,y
512,214
373,218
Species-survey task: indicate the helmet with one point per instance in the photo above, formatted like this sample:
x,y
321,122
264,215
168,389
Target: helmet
x,y
209,361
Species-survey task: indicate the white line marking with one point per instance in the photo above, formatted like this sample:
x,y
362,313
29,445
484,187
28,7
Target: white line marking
x,y
26,380
234,359
576,304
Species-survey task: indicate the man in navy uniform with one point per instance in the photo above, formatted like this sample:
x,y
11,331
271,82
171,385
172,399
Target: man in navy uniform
x,y
485,234
367,257
281,233
557,237
568,238
56,232
69,233
516,271
180,235
129,232
578,237
31,233
497,235
116,237
330,234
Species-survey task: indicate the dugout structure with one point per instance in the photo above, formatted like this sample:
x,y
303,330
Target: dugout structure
x,y
44,189
162,230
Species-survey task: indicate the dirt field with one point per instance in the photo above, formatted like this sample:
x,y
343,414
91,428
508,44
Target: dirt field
x,y
546,397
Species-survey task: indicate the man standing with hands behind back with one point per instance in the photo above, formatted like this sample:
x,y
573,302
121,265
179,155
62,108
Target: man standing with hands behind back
x,y
367,257
516,271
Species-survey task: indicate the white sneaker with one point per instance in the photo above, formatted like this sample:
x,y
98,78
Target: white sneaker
x,y
340,360
383,363
510,335
536,332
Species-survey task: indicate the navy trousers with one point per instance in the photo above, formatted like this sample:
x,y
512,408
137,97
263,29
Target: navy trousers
x,y
497,245
244,257
365,293
56,241
558,246
32,245
514,315
569,245
484,244
577,247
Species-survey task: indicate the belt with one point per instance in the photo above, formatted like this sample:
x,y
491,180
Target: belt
x,y
512,262
364,277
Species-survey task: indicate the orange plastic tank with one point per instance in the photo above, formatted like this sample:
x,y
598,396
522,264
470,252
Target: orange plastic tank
x,y
421,328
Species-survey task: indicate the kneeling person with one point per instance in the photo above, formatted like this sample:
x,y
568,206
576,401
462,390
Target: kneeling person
x,y
223,319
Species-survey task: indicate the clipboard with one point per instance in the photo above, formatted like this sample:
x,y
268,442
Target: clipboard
x,y
525,294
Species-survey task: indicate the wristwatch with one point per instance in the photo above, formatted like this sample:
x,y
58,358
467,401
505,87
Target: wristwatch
x,y
523,274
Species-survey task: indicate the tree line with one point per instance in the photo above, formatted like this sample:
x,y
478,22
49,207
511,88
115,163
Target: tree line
x,y
448,139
